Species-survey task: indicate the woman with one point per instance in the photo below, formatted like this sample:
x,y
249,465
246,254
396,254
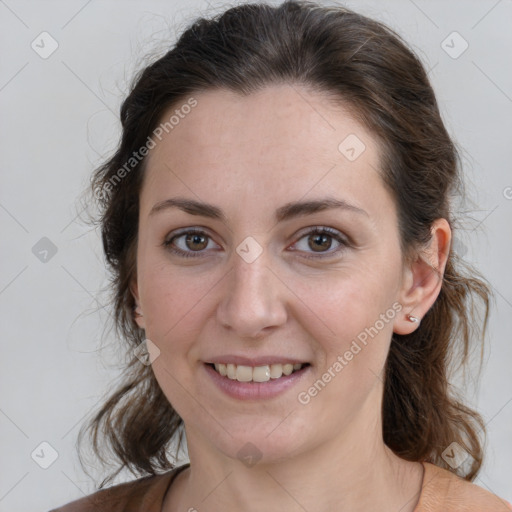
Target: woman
x,y
278,224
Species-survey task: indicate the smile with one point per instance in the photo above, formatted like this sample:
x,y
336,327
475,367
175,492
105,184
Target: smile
x,y
263,373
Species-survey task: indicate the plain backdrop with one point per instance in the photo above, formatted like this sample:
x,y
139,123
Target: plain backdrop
x,y
59,120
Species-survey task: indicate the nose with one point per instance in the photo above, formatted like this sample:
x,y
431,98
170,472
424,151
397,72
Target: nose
x,y
253,301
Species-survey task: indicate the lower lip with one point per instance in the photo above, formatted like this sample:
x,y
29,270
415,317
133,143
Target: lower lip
x,y
256,390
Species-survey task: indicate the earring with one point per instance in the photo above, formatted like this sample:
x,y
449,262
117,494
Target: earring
x,y
412,318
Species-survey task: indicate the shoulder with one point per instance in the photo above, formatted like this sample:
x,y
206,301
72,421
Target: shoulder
x,y
145,494
443,491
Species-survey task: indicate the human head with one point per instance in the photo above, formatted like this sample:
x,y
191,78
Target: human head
x,y
366,67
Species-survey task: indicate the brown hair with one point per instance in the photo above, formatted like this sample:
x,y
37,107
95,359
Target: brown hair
x,y
361,63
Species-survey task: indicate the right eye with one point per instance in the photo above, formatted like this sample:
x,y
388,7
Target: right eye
x,y
187,243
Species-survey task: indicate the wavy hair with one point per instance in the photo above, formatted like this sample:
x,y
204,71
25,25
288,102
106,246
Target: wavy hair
x,y
367,66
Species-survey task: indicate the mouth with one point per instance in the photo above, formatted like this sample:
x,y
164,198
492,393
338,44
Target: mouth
x,y
264,373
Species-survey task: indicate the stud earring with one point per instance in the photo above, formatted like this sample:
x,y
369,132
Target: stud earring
x,y
412,318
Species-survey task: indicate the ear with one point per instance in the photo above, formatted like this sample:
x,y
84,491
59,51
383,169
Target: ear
x,y
137,314
422,279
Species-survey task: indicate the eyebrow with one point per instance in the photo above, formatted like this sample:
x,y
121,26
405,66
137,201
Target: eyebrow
x,y
286,212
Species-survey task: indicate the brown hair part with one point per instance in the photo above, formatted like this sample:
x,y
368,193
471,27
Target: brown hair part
x,y
364,64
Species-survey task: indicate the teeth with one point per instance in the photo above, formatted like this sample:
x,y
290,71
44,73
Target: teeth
x,y
231,371
287,369
243,373
260,373
257,373
276,371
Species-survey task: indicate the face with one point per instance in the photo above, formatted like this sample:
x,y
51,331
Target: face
x,y
249,280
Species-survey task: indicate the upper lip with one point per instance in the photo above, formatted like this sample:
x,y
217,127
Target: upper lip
x,y
254,361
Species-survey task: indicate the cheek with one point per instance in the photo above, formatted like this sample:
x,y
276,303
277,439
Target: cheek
x,y
352,301
172,302
356,316
173,310
174,313
352,359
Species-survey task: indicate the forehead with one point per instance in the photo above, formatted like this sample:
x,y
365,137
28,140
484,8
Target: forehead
x,y
280,143
277,118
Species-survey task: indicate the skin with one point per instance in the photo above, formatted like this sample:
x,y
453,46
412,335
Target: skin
x,y
249,156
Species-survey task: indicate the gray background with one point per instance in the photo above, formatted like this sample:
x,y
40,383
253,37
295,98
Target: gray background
x,y
59,120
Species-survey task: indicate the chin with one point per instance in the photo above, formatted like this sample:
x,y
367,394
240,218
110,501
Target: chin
x,y
256,444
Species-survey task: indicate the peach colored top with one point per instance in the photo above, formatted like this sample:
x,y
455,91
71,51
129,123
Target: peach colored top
x,y
441,491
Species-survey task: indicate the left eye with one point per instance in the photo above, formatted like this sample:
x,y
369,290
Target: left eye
x,y
319,240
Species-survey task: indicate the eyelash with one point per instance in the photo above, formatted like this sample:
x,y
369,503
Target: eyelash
x,y
314,231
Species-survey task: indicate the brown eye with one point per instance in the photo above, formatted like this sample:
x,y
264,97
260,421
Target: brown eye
x,y
196,242
319,242
190,243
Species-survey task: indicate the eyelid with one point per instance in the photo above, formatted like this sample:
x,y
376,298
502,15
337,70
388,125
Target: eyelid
x,y
344,241
167,243
337,235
